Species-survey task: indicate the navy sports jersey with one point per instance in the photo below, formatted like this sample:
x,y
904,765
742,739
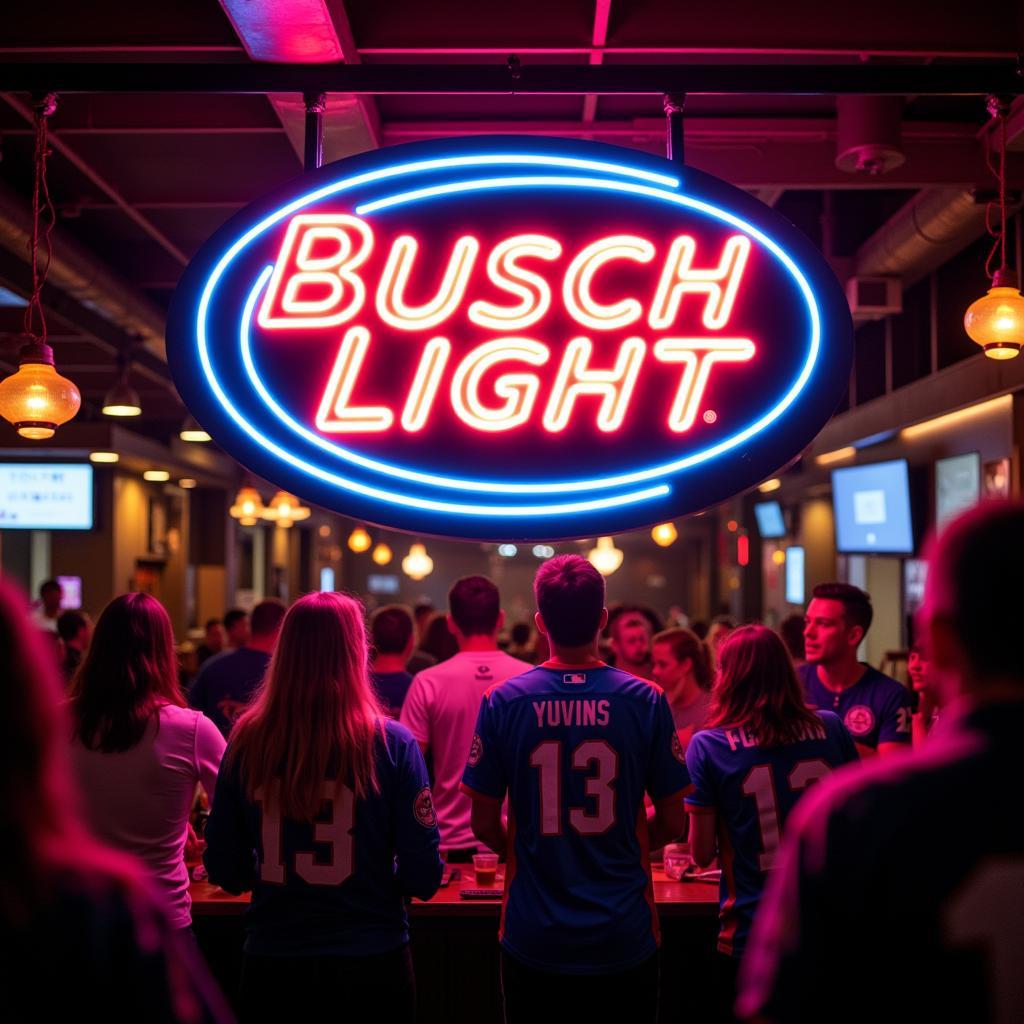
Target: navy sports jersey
x,y
910,873
576,748
876,709
752,790
225,684
335,886
391,688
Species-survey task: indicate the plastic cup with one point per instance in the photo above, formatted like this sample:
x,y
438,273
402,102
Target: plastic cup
x,y
677,860
486,867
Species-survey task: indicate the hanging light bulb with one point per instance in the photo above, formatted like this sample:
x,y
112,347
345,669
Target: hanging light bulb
x,y
285,510
191,431
359,540
996,321
417,564
382,554
248,506
606,557
664,534
36,399
122,399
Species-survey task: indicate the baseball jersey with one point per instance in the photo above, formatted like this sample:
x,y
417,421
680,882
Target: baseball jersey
x,y
876,709
440,711
335,886
225,684
910,873
752,790
576,748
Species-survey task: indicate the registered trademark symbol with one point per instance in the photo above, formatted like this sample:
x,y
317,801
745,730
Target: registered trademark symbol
x,y
710,416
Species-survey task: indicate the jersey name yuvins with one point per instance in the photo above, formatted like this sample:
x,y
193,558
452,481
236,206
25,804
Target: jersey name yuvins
x,y
571,712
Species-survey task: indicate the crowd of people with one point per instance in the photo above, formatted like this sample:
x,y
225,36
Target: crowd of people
x,y
338,760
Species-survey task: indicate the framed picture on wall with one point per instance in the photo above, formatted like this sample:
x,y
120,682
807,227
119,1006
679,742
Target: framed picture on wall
x,y
995,479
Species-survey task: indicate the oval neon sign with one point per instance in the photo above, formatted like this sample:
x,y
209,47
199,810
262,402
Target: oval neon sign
x,y
510,338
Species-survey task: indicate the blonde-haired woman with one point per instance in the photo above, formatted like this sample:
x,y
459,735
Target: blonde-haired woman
x,y
323,810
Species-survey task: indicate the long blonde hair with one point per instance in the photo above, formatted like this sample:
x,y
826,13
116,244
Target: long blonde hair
x,y
315,712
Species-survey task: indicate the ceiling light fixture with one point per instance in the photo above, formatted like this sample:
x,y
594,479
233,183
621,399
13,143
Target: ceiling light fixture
x,y
827,458
248,506
187,483
605,557
770,485
103,457
359,540
192,432
996,321
286,510
664,534
417,564
382,554
156,476
122,399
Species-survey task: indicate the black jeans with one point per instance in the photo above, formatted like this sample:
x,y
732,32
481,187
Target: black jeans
x,y
726,970
533,996
279,989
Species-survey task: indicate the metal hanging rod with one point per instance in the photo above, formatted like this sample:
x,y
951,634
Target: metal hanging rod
x,y
975,79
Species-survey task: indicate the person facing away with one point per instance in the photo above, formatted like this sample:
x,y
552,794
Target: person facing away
x,y
681,667
575,744
423,613
630,640
441,706
236,628
225,684
79,926
47,611
870,867
137,750
393,635
323,810
874,708
213,641
760,751
75,629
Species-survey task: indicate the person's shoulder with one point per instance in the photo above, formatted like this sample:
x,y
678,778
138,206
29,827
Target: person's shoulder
x,y
531,680
181,718
395,734
628,685
883,684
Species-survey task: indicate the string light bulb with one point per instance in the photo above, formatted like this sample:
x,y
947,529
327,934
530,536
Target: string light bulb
x,y
665,534
996,320
382,554
359,540
417,564
248,506
605,557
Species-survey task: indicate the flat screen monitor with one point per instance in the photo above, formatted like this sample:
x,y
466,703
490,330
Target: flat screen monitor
x,y
957,485
769,519
872,509
795,575
45,496
382,583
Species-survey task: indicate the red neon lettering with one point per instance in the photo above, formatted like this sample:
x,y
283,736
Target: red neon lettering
x,y
615,387
579,302
425,384
697,356
518,389
391,305
350,241
720,284
335,415
533,291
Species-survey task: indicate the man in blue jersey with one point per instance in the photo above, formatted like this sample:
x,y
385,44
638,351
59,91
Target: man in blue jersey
x,y
877,908
876,709
575,744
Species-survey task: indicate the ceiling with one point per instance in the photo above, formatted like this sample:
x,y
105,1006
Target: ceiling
x,y
139,181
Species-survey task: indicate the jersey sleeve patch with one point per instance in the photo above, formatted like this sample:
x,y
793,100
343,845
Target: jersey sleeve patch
x,y
476,751
677,749
423,808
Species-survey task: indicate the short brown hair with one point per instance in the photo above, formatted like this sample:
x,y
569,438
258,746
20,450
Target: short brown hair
x,y
570,598
475,605
686,644
391,629
267,617
856,604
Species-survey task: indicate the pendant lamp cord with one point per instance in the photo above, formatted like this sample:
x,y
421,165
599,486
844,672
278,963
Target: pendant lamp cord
x,y
44,217
998,108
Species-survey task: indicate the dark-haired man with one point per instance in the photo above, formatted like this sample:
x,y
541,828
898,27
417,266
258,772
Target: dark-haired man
x,y
575,744
46,613
237,627
225,684
441,705
393,636
630,640
859,880
874,708
75,629
213,641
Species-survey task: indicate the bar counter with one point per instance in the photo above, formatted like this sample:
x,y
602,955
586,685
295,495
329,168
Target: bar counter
x,y
455,949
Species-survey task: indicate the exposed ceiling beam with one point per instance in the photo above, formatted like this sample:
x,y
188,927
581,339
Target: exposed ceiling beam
x,y
599,36
727,78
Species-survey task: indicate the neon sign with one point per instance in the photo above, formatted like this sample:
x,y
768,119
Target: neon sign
x,y
510,338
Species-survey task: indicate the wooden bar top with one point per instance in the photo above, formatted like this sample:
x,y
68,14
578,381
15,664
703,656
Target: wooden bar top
x,y
691,898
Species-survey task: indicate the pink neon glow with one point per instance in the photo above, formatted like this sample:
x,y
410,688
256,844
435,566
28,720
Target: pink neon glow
x,y
720,284
615,386
697,355
743,549
581,305
518,389
533,291
298,269
335,415
391,305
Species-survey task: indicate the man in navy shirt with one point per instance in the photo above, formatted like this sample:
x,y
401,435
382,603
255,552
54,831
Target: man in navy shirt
x,y
877,908
225,684
575,744
874,708
393,637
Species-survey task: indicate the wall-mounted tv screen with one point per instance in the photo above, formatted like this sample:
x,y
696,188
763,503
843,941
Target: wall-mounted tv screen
x,y
795,575
45,496
769,519
872,509
957,485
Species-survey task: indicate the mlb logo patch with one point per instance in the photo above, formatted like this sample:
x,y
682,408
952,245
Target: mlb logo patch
x,y
574,678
